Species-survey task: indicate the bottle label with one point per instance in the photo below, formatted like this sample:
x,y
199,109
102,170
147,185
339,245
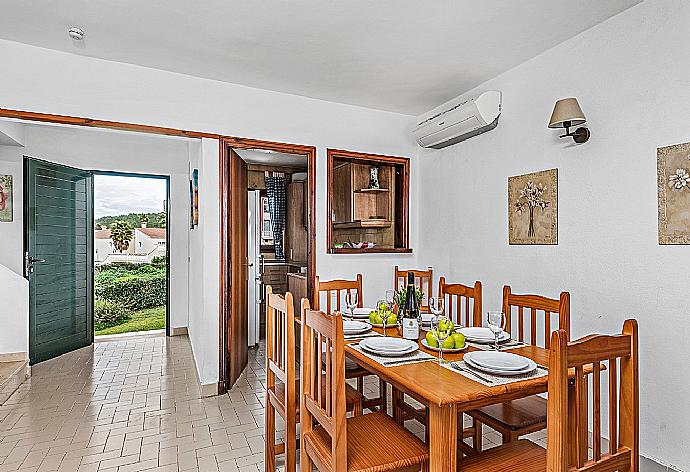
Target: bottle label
x,y
411,328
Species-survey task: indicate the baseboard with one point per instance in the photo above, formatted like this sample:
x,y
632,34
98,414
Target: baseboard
x,y
209,390
13,356
181,331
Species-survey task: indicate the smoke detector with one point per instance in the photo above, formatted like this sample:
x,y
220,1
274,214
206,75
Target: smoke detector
x,y
76,34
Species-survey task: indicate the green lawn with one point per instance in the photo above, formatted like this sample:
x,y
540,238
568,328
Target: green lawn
x,y
142,320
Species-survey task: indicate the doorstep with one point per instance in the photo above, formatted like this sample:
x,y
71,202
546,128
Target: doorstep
x,y
125,336
12,374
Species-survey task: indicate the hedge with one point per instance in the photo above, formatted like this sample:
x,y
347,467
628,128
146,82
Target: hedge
x,y
133,291
108,313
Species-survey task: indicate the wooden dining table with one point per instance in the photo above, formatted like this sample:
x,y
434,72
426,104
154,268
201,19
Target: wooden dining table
x,y
447,393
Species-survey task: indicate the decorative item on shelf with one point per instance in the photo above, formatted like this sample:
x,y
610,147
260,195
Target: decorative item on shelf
x,y
533,208
374,177
6,198
194,199
673,185
567,113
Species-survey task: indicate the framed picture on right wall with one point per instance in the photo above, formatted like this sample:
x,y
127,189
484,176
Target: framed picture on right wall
x,y
673,185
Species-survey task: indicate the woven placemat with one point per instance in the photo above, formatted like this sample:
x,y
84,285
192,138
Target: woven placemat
x,y
369,334
416,356
491,380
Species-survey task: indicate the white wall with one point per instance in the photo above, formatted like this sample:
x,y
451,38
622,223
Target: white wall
x,y
42,80
632,77
106,150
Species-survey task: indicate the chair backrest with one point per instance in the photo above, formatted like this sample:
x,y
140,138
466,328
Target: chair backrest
x,y
568,431
280,344
423,279
457,299
323,396
537,306
336,289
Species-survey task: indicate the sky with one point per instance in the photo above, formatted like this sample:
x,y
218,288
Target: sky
x,y
117,195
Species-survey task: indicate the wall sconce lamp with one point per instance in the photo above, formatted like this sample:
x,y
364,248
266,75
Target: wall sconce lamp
x,y
567,113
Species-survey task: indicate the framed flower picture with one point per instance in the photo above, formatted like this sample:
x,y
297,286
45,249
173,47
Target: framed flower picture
x,y
6,198
533,208
673,186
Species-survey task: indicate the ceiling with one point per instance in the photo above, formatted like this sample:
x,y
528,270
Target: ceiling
x,y
272,158
406,56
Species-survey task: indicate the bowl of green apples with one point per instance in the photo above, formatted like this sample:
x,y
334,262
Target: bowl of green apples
x,y
382,310
454,342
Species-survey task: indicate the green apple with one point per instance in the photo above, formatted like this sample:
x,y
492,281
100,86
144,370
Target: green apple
x,y
448,343
377,319
458,340
443,325
372,317
393,319
431,340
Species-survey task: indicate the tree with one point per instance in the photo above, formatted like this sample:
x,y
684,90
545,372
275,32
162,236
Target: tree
x,y
143,220
121,235
531,197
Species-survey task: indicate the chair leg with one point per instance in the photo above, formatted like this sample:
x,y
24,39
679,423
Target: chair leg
x,y
426,426
305,462
358,407
383,394
477,438
290,445
360,384
397,399
509,436
270,447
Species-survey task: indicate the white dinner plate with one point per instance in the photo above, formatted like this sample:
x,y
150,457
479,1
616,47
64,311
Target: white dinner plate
x,y
387,345
411,349
500,362
360,313
450,350
482,335
355,327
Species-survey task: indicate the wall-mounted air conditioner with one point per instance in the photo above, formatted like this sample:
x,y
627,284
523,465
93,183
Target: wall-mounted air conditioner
x,y
453,122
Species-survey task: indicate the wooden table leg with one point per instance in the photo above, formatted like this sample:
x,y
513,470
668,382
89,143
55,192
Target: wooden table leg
x,y
443,438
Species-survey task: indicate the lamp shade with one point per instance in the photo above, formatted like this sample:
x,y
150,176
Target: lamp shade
x,y
566,110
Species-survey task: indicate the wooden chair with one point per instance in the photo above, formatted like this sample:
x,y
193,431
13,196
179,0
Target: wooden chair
x,y
424,279
567,437
462,296
282,385
467,312
525,415
335,289
340,444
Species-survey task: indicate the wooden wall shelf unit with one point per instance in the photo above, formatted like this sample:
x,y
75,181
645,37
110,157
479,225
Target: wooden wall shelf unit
x,y
360,214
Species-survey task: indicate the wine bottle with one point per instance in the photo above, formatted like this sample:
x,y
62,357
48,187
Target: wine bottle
x,y
410,312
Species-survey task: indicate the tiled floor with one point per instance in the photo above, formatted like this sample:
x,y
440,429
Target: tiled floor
x,y
131,405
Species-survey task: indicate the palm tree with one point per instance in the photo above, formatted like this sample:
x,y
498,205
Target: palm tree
x,y
121,235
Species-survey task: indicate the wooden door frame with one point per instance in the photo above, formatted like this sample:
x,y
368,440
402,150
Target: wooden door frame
x,y
227,143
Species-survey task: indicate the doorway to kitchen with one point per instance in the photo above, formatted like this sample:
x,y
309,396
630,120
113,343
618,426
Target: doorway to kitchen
x,y
131,253
257,176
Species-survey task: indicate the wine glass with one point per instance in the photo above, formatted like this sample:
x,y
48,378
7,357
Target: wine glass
x,y
351,300
436,306
384,309
390,298
440,329
497,323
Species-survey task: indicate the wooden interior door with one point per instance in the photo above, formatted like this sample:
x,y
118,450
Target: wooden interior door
x,y
58,242
237,319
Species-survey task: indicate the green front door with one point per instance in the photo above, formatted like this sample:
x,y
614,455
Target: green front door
x,y
58,223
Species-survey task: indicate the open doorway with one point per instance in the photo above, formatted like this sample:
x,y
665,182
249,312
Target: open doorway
x,y
131,273
240,156
277,231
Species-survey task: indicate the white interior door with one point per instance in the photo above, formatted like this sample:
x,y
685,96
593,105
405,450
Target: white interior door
x,y
254,289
